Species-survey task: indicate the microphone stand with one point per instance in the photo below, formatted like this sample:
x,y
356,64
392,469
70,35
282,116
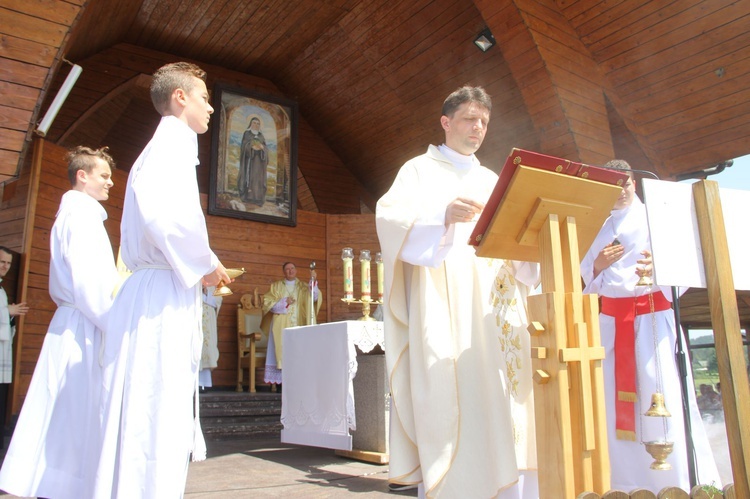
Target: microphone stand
x,y
682,365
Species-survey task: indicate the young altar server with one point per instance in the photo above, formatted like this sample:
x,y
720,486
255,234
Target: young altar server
x,y
153,349
50,454
633,318
451,433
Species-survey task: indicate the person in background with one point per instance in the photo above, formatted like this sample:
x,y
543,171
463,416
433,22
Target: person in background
x,y
210,351
288,303
50,454
8,314
451,432
633,319
149,409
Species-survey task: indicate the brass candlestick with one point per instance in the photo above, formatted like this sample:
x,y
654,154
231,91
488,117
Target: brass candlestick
x,y
365,307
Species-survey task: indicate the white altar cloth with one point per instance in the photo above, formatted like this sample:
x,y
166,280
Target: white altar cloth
x,y
320,362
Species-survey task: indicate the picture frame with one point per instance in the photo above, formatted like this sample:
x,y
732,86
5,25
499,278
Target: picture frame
x,y
253,170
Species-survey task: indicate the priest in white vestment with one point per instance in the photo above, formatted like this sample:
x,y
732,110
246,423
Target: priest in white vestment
x,y
633,318
451,431
51,452
153,343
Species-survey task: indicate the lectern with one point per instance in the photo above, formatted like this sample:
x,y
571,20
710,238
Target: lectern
x,y
544,209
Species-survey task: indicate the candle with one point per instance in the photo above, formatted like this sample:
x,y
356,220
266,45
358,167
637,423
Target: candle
x,y
364,259
347,255
381,273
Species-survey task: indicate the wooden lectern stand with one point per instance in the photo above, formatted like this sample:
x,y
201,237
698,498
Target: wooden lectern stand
x,y
546,217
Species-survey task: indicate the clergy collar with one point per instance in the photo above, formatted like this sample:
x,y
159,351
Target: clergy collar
x,y
459,160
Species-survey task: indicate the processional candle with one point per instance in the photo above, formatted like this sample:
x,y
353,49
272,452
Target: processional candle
x,y
364,260
347,255
379,266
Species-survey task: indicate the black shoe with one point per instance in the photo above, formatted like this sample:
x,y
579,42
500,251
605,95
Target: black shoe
x,y
400,487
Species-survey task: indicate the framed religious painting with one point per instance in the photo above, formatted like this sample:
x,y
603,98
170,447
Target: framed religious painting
x,y
253,156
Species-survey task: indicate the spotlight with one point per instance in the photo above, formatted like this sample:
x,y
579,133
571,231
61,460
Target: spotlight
x,y
485,40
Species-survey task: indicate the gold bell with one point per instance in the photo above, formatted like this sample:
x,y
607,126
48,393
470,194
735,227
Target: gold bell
x,y
657,409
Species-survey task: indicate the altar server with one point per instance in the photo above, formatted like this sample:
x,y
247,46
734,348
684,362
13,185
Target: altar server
x,y
54,441
153,348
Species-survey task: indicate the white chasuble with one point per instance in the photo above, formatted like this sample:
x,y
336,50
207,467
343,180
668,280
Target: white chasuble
x,y
451,424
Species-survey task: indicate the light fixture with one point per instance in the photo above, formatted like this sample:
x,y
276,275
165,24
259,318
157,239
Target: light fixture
x,y
57,103
485,40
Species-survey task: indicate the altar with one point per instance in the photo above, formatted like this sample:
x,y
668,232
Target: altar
x,y
327,378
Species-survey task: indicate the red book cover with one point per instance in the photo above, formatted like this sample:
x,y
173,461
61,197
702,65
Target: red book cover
x,y
544,162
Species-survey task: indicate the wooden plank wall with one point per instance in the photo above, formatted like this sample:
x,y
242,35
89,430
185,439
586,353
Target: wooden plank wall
x,y
33,34
259,248
324,184
356,232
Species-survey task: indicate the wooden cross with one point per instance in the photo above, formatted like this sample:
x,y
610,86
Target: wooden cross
x,y
584,354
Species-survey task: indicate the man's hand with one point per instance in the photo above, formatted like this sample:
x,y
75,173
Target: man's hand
x,y
462,210
647,268
18,309
217,276
607,256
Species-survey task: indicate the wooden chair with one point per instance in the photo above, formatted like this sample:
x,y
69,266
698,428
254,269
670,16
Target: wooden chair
x,y
251,341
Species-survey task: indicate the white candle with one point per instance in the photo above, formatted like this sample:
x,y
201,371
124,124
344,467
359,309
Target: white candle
x,y
364,259
347,256
381,273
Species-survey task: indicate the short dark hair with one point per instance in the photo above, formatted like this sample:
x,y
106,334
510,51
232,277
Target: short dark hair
x,y
283,267
169,78
463,95
619,164
5,249
84,158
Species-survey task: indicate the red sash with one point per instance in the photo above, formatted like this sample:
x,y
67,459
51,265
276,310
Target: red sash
x,y
624,311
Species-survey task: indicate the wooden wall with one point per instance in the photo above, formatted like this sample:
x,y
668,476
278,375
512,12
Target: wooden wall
x,y
33,34
110,105
259,248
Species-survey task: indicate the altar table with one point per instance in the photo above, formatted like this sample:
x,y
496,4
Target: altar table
x,y
318,379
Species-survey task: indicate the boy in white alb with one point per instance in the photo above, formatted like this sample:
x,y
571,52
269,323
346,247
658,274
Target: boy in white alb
x,y
50,454
154,337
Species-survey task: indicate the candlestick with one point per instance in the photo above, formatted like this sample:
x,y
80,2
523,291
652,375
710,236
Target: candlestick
x,y
381,273
347,255
364,260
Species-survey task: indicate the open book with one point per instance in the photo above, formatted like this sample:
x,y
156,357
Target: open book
x,y
542,185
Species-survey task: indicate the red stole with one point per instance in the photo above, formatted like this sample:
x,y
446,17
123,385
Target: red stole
x,y
624,311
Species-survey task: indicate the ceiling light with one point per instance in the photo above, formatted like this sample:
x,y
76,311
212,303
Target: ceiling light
x,y
485,40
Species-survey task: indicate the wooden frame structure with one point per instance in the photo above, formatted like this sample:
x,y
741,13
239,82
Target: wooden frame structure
x,y
564,325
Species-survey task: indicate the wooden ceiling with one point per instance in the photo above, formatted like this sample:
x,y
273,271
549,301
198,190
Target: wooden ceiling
x,y
663,84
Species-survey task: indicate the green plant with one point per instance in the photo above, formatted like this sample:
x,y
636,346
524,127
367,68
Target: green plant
x,y
712,491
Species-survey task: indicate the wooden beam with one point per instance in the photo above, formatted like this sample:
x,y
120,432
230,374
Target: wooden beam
x,y
726,325
534,33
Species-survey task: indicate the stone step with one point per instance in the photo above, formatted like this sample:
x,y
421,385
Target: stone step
x,y
256,429
219,410
228,414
